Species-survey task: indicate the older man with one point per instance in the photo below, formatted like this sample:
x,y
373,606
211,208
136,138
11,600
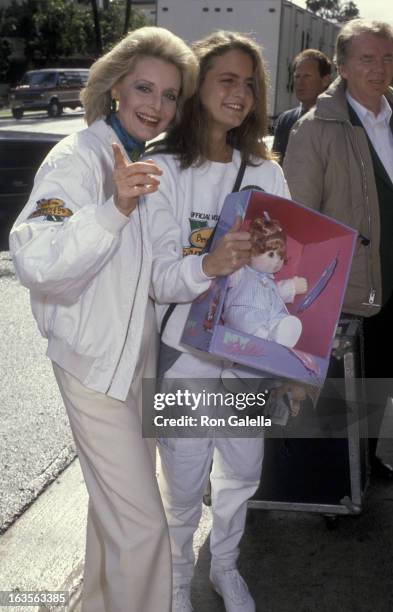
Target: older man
x,y
340,161
311,76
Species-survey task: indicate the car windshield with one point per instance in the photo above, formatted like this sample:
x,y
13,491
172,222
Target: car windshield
x,y
39,79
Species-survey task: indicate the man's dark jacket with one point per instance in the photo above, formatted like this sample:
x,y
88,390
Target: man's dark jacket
x,y
282,128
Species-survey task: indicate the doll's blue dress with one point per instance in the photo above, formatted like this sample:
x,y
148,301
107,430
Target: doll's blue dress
x,y
253,302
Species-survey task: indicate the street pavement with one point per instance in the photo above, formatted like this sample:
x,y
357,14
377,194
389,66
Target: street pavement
x,y
70,121
293,563
35,440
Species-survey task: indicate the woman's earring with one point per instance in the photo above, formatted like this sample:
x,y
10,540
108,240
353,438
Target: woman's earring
x,y
114,105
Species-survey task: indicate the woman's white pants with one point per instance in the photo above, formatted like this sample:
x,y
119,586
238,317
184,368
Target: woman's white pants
x,y
185,470
128,559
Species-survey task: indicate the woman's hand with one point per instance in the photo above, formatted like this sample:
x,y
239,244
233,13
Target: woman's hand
x,y
132,180
232,252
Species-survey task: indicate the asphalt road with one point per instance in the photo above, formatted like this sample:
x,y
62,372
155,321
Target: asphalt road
x,y
35,439
69,122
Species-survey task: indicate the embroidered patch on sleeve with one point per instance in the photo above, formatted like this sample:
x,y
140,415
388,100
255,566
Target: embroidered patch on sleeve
x,y
52,210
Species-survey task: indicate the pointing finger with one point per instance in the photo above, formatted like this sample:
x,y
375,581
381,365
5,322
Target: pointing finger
x,y
120,159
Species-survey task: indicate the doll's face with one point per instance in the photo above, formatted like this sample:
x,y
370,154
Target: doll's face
x,y
269,262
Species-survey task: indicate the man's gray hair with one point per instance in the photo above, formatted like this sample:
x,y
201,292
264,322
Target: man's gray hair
x,y
354,28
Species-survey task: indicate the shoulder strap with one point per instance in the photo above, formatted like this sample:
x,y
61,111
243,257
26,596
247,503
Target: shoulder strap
x,y
239,177
236,187
166,316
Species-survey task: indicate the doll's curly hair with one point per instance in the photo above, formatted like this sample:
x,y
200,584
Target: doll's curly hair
x,y
267,235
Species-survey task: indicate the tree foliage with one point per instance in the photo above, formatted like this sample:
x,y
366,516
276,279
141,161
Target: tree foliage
x,y
60,29
113,20
5,52
334,10
54,29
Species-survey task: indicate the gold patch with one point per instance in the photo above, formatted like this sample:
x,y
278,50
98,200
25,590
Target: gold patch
x,y
191,251
200,236
53,209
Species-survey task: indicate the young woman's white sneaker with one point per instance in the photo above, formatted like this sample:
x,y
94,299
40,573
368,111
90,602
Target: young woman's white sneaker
x,y
233,589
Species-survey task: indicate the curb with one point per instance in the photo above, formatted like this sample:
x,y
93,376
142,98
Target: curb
x,y
44,549
39,484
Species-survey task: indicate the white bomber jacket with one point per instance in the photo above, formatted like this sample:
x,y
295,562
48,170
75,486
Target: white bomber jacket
x,y
89,272
88,267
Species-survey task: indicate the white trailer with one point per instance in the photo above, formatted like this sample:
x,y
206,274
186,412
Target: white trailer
x,y
279,26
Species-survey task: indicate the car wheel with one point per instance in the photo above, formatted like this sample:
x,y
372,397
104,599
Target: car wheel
x,y
17,113
55,109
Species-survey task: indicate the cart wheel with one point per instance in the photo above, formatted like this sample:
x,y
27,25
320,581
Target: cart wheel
x,y
331,521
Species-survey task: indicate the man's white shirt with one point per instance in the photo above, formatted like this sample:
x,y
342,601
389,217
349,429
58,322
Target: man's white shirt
x,y
378,130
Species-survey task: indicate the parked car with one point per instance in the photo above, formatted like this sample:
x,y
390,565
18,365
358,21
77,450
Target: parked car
x,y
50,89
21,153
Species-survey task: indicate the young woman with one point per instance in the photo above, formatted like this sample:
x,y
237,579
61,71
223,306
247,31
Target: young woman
x,y
222,124
81,245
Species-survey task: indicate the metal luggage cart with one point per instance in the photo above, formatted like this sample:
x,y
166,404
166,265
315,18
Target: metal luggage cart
x,y
327,475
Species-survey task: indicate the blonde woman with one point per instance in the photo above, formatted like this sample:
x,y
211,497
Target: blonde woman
x,y
82,247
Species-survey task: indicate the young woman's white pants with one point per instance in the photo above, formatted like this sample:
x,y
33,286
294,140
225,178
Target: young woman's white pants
x,y
128,559
185,469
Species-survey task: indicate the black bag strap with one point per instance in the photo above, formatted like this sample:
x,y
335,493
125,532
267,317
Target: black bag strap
x,y
236,187
239,177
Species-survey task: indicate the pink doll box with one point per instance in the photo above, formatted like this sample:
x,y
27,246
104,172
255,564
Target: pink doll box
x,y
319,249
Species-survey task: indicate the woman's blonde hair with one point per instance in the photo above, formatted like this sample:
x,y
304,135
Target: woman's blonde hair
x,y
148,41
189,139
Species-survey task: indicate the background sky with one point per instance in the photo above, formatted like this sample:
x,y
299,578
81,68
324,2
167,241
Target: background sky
x,y
369,9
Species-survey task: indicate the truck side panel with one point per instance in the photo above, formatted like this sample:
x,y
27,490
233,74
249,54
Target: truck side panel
x,y
193,19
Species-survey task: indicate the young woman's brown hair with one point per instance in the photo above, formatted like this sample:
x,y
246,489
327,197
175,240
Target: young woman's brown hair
x,y
190,137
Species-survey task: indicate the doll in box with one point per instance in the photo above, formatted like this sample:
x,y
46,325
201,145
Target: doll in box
x,y
254,303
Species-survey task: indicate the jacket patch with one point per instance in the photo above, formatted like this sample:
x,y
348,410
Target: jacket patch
x,y
52,210
200,233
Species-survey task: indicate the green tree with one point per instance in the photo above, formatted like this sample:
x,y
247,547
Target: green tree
x,y
349,11
5,52
97,26
334,10
54,29
113,20
50,28
60,30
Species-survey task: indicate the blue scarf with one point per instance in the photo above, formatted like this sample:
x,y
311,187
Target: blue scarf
x,y
134,148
